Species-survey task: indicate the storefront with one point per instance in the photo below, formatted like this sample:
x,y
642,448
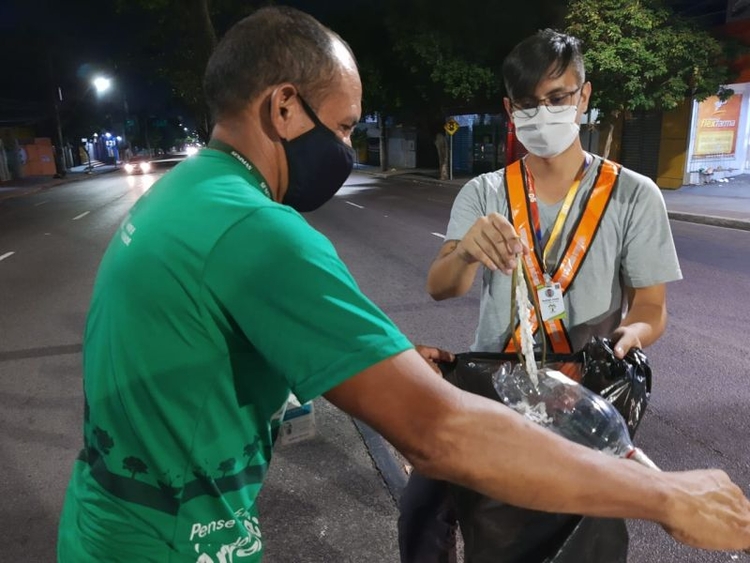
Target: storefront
x,y
719,143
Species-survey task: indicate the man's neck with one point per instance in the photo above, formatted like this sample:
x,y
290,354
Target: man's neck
x,y
553,177
246,143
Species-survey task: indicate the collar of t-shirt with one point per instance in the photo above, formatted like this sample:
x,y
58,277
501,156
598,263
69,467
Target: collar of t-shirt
x,y
260,182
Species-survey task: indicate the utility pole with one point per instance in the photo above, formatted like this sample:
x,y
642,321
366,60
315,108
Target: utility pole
x,y
56,100
383,144
60,148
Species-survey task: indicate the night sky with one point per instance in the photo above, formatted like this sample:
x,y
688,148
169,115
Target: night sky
x,y
65,44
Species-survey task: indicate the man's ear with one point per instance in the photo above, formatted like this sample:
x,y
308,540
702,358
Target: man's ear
x,y
283,107
585,96
508,109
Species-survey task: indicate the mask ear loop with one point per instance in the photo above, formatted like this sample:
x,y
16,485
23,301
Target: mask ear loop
x,y
310,112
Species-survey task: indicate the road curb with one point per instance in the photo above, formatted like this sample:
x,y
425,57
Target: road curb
x,y
712,220
389,468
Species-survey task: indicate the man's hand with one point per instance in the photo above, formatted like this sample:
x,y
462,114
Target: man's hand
x,y
708,511
493,241
645,321
625,338
433,356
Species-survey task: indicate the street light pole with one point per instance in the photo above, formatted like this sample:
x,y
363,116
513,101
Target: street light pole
x,y
62,168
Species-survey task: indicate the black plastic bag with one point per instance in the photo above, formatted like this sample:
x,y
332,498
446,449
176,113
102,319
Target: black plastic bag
x,y
495,532
625,383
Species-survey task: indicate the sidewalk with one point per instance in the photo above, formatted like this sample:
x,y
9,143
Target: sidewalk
x,y
33,184
326,500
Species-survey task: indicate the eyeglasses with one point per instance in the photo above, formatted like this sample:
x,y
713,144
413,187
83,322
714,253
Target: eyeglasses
x,y
556,103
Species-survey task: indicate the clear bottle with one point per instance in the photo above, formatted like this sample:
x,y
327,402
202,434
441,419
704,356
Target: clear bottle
x,y
568,409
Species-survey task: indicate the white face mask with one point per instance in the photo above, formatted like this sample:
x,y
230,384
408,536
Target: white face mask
x,y
547,134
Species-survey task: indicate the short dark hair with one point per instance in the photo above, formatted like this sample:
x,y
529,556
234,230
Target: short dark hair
x,y
529,62
271,46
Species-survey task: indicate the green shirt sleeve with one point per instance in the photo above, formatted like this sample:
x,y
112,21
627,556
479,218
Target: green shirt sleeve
x,y
286,289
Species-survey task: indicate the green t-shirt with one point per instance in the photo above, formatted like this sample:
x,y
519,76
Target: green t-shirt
x,y
212,304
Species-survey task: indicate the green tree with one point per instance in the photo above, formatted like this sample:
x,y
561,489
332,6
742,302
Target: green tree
x,y
104,442
134,465
641,56
227,465
179,36
250,450
422,60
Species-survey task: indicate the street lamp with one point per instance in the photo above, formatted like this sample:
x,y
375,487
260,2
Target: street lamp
x,y
101,84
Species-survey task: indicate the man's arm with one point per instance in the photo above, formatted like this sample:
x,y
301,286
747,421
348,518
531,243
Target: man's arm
x,y
450,275
491,242
645,321
452,435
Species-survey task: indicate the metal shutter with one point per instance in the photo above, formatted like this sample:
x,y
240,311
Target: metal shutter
x,y
641,137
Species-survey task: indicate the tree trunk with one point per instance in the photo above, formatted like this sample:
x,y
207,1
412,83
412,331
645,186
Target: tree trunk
x,y
383,144
204,13
441,144
608,144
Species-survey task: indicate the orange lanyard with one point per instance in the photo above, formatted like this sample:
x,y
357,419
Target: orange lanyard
x,y
520,213
562,215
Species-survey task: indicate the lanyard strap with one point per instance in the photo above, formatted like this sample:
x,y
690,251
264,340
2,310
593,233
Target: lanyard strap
x,y
562,215
260,182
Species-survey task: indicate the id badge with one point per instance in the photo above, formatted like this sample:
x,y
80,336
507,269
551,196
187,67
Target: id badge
x,y
551,301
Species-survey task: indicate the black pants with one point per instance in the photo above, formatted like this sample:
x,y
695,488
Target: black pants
x,y
427,522
494,532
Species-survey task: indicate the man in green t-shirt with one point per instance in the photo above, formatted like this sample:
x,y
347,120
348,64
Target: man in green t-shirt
x,y
215,300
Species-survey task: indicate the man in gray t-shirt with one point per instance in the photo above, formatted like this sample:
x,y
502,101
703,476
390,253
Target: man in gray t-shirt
x,y
620,268
632,250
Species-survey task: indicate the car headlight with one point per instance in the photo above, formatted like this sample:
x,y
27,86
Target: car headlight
x,y
145,166
129,168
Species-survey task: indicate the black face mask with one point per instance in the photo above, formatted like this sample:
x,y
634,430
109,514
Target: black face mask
x,y
319,164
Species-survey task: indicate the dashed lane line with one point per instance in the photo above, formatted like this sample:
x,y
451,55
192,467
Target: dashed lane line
x,y
355,205
81,216
6,255
41,203
438,235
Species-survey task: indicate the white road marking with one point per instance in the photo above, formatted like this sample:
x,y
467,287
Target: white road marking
x,y
355,205
7,255
41,203
438,235
81,216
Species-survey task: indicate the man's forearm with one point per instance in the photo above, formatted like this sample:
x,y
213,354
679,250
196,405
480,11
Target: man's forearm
x,y
492,450
450,275
449,434
648,321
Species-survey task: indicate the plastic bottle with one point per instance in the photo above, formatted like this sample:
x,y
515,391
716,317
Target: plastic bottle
x,y
568,409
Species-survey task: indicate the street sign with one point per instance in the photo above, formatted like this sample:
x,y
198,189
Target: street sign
x,y
451,126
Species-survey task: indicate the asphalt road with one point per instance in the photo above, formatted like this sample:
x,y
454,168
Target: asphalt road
x,y
388,233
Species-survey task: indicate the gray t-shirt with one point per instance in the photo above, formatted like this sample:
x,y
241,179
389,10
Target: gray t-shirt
x,y
632,248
